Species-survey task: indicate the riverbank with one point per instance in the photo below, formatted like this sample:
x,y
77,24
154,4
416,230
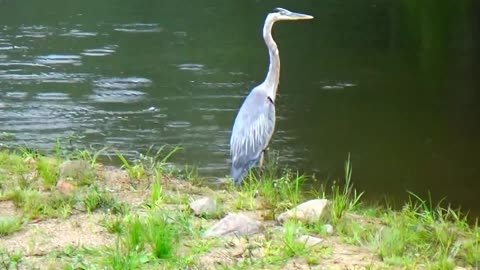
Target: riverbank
x,y
68,211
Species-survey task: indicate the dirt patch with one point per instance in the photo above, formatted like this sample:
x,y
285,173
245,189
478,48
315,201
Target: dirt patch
x,y
7,209
36,239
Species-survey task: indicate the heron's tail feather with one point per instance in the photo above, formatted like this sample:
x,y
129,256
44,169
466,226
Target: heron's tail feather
x,y
238,173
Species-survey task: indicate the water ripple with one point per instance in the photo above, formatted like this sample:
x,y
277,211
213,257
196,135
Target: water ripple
x,y
190,66
58,59
178,124
107,50
122,83
35,31
79,33
138,28
117,96
55,77
52,96
339,85
16,95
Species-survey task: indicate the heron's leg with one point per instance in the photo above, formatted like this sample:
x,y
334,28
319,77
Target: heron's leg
x,y
264,153
260,160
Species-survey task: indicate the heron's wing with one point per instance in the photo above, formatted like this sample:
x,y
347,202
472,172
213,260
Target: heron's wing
x,y
251,132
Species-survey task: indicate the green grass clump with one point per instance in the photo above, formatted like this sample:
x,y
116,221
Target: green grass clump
x,y
144,239
277,192
344,199
146,165
293,247
421,232
48,170
9,225
10,260
95,198
35,204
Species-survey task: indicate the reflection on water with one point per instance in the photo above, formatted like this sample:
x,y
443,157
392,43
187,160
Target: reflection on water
x,y
391,82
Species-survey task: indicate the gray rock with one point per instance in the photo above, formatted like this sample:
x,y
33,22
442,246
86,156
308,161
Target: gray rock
x,y
204,206
79,171
235,224
309,240
309,211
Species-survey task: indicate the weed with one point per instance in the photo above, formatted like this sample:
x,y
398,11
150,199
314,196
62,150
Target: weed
x,y
10,260
162,237
147,164
96,198
346,198
293,247
156,195
276,194
113,224
48,170
87,155
9,225
126,260
135,171
420,228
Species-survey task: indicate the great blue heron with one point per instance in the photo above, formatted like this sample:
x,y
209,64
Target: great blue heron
x,y
255,120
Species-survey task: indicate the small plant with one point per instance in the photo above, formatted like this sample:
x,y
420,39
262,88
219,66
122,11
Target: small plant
x,y
147,164
9,225
293,247
135,171
162,237
346,198
87,155
10,260
48,170
113,224
156,195
96,198
126,260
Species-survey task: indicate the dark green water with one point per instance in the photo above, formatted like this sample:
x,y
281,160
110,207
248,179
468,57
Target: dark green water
x,y
395,83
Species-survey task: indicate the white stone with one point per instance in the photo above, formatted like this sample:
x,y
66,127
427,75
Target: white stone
x,y
309,240
309,211
204,206
235,224
328,228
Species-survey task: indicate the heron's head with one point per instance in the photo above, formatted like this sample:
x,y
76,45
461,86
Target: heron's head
x,y
281,14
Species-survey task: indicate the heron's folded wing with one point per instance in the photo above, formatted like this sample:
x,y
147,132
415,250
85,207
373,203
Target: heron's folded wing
x,y
252,131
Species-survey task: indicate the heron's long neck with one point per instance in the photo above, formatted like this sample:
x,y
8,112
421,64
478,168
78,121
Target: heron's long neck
x,y
273,75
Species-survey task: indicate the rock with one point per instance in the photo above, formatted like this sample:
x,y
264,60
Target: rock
x,y
235,224
309,240
65,187
80,171
309,211
204,206
328,228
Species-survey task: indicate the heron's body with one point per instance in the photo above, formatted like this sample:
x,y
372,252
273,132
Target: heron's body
x,y
255,121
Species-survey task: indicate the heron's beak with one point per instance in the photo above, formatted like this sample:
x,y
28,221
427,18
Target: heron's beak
x,y
299,16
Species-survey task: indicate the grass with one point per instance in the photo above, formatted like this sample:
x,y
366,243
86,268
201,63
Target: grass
x,y
293,247
346,198
278,191
157,231
48,170
9,225
10,260
147,164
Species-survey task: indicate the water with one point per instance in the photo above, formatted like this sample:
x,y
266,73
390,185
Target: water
x,y
394,83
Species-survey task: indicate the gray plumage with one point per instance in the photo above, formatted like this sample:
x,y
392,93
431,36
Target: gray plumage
x,y
255,121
